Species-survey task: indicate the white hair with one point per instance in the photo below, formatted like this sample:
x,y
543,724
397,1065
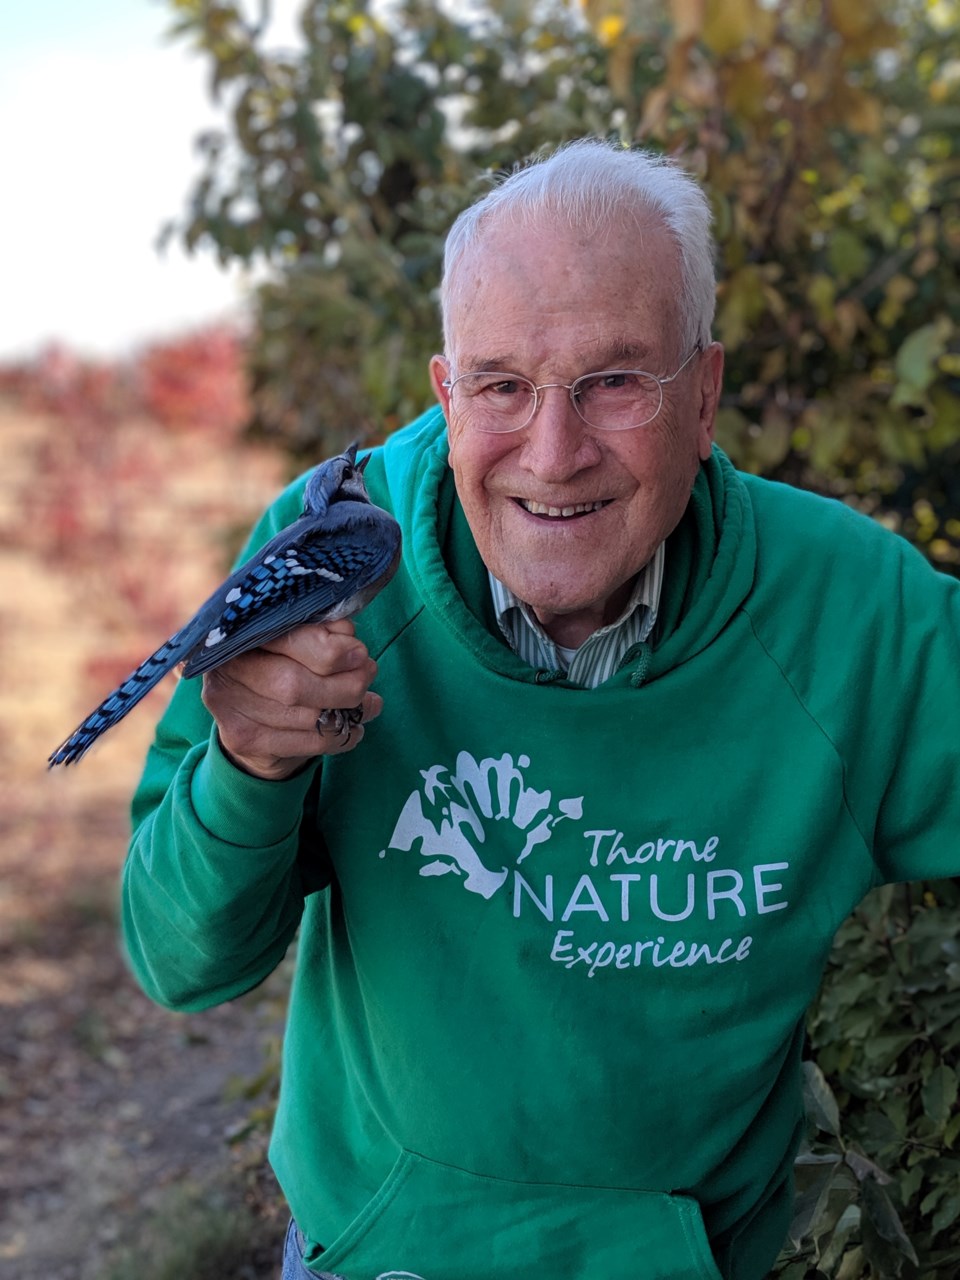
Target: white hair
x,y
590,186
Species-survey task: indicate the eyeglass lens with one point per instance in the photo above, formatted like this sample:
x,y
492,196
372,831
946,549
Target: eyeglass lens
x,y
613,400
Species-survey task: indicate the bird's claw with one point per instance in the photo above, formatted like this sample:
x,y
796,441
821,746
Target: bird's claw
x,y
342,720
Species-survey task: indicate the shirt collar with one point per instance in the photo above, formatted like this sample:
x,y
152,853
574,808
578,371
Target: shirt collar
x,y
598,656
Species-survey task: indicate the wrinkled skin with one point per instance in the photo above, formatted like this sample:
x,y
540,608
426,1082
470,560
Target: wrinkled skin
x,y
266,702
547,304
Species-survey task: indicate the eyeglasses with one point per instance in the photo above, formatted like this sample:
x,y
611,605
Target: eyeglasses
x,y
611,400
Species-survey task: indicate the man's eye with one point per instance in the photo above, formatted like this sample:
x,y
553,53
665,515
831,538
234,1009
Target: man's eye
x,y
613,384
502,387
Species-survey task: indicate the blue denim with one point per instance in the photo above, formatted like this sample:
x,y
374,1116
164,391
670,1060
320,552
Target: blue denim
x,y
294,1267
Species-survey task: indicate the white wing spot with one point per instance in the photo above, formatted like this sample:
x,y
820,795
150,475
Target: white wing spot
x,y
233,596
214,637
269,559
297,570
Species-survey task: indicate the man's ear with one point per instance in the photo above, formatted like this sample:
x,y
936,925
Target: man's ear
x,y
711,382
439,370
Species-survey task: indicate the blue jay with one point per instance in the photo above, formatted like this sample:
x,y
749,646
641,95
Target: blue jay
x,y
327,565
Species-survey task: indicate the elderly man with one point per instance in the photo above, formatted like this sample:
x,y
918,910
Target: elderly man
x,y
644,731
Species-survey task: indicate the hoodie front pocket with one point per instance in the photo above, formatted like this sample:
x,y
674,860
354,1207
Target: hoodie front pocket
x,y
430,1221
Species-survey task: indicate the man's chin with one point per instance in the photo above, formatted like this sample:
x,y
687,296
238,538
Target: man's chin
x,y
569,601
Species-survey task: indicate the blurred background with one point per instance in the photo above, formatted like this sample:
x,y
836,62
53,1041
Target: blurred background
x,y
222,226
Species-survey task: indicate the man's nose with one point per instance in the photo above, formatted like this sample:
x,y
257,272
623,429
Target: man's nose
x,y
558,442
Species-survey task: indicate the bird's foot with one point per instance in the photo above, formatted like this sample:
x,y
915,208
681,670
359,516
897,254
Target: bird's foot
x,y
339,719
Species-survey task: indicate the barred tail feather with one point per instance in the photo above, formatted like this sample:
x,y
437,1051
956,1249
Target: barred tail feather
x,y
126,696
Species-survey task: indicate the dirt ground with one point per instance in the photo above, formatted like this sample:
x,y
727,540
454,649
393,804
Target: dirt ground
x,y
108,539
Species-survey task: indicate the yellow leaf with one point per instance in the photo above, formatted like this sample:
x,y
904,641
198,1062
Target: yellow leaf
x,y
688,17
821,292
742,301
610,28
861,112
728,24
900,288
847,317
654,111
947,81
849,19
745,86
774,366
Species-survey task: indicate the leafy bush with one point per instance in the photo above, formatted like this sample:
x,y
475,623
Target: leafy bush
x,y
879,1179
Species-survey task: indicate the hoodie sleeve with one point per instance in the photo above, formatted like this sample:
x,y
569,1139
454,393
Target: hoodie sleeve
x,y
867,633
917,833
212,891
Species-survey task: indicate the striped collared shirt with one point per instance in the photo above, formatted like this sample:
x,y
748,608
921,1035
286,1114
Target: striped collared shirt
x,y
599,656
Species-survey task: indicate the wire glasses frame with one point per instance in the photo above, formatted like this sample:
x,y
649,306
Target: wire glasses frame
x,y
609,400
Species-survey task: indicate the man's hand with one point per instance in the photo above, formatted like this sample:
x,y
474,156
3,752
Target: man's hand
x,y
266,702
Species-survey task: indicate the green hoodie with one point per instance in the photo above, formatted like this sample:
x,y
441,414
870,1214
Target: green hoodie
x,y
556,944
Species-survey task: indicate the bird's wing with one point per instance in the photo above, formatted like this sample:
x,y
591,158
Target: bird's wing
x,y
307,576
305,573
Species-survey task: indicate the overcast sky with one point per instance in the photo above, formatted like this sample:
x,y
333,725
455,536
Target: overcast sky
x,y
97,119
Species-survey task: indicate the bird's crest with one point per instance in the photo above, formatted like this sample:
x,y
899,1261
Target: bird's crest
x,y
336,480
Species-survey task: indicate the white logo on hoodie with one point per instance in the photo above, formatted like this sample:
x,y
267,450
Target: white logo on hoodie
x,y
454,814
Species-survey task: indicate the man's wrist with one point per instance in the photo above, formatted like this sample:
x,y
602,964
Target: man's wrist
x,y
253,773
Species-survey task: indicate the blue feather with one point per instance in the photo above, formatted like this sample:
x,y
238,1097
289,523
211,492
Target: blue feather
x,y
327,565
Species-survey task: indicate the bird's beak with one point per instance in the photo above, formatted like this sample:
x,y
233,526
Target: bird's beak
x,y
362,463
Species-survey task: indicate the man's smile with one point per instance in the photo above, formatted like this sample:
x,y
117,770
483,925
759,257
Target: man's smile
x,y
561,513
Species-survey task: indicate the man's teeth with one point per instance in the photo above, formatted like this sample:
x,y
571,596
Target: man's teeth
x,y
578,509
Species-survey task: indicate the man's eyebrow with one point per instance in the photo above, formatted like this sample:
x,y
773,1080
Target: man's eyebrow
x,y
623,349
485,364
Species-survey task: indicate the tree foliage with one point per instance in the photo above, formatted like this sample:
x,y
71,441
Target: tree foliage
x,y
879,1178
827,134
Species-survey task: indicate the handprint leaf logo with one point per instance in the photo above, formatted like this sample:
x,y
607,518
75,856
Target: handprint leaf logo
x,y
479,820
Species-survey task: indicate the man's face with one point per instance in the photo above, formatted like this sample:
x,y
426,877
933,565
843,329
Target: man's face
x,y
552,305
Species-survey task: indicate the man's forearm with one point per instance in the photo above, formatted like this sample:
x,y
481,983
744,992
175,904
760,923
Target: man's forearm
x,y
211,894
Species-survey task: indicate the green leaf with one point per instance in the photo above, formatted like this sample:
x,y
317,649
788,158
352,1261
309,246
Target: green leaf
x,y
916,362
938,1095
822,1200
881,1217
834,1246
848,255
819,1101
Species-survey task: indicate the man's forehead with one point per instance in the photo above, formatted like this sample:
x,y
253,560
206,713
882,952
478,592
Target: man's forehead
x,y
551,262
537,297
538,233
602,352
